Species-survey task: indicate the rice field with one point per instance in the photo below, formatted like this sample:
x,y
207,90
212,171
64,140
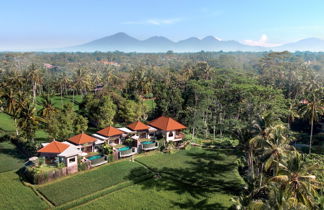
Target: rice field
x,y
14,195
150,195
74,187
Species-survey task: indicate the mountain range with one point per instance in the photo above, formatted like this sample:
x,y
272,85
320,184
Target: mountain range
x,y
123,42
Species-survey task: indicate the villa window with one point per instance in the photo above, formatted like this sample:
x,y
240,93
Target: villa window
x,y
71,160
170,134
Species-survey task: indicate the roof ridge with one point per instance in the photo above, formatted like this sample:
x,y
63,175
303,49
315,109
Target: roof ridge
x,y
55,142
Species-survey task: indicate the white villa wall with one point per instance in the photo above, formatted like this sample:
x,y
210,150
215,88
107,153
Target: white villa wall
x,y
69,161
168,137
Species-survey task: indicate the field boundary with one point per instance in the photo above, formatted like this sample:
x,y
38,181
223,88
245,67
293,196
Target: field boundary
x,y
41,196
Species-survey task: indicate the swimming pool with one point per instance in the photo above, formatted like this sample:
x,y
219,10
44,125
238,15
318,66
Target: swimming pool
x,y
123,148
94,157
147,142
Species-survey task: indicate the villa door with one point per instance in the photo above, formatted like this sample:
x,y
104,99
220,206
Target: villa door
x,y
87,149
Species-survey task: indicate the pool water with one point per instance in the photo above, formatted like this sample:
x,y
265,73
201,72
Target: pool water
x,y
94,157
147,142
123,148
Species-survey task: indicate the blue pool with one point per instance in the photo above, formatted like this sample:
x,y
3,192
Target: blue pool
x,y
123,148
94,157
147,142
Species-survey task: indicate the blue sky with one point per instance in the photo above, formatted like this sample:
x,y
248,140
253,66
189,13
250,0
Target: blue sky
x,y
40,24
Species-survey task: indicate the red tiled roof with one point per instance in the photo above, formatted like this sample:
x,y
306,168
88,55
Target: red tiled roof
x,y
82,138
110,131
166,123
136,126
54,147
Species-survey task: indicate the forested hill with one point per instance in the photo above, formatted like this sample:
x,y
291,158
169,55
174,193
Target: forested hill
x,y
125,43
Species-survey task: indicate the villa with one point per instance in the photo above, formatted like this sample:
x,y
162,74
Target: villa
x,y
144,137
169,128
110,134
140,129
83,142
60,152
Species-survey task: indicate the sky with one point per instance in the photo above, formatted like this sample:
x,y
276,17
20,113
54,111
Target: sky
x,y
43,24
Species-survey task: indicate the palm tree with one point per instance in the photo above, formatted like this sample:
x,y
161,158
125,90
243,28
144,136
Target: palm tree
x,y
296,184
12,103
187,72
28,120
258,126
82,80
271,147
292,113
312,111
35,77
48,108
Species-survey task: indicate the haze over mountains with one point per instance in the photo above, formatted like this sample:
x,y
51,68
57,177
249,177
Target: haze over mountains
x,y
125,43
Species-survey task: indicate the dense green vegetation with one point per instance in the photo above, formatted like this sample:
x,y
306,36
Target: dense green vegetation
x,y
14,195
266,102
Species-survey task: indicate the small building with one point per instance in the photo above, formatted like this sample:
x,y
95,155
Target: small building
x,y
111,135
60,152
83,142
140,129
169,128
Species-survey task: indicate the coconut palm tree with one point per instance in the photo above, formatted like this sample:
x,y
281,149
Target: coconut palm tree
x,y
36,78
292,113
311,111
28,120
82,80
12,103
259,127
48,108
296,183
271,147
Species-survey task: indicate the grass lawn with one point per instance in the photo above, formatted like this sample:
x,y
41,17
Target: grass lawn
x,y
74,187
10,159
14,195
150,195
206,171
7,124
58,103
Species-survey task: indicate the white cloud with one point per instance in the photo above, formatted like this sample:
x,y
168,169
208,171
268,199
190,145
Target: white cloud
x,y
155,21
262,42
